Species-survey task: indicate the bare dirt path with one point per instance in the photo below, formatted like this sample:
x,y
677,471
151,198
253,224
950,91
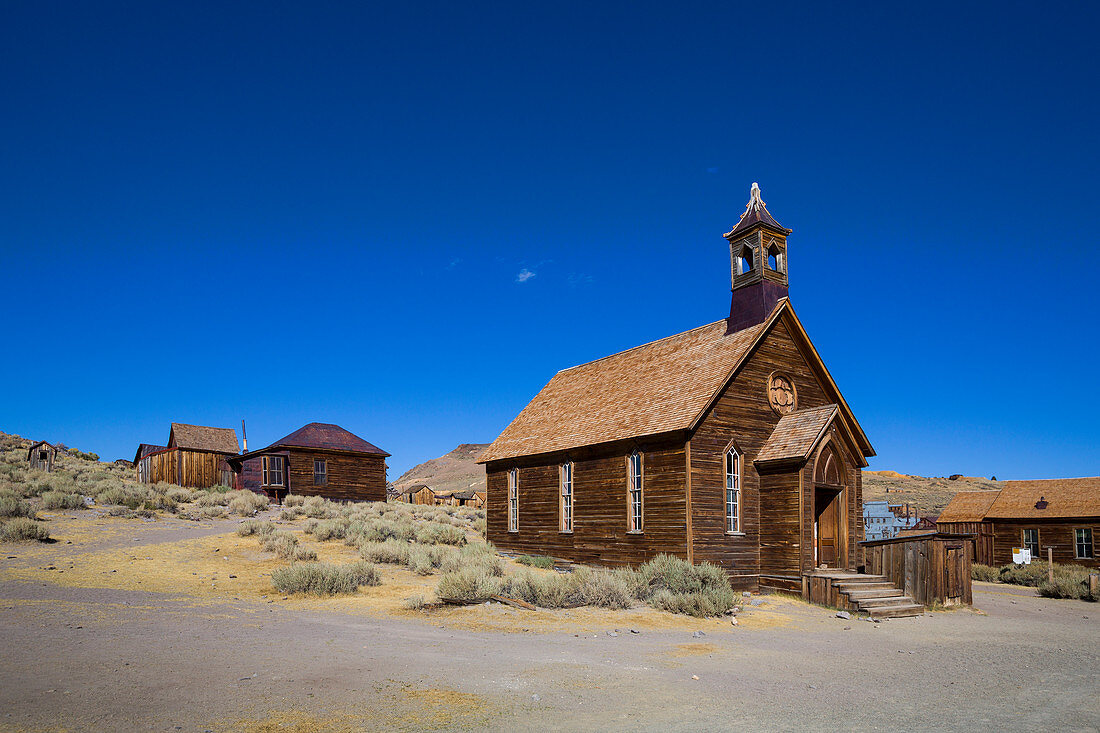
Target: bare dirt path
x,y
81,656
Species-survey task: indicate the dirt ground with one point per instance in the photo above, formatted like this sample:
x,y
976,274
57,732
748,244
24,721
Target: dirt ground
x,y
126,624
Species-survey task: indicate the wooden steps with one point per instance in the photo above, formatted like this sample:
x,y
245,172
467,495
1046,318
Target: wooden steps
x,y
870,594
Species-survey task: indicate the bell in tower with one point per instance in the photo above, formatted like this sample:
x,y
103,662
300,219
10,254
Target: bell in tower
x,y
758,264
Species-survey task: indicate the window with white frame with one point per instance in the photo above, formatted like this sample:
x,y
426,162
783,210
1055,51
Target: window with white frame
x,y
634,491
1030,539
513,500
1082,541
273,474
320,471
566,507
733,490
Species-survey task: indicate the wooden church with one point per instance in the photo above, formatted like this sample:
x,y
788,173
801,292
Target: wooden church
x,y
728,443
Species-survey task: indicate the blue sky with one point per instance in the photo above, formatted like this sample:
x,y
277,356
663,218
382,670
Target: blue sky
x,y
405,218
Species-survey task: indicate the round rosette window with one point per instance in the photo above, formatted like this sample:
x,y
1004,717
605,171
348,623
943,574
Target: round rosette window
x,y
781,393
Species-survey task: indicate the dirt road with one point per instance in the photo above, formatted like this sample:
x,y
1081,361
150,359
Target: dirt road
x,y
85,655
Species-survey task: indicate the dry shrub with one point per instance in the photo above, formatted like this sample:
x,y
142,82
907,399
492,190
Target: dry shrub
x,y
536,561
986,573
468,584
61,500
246,503
440,534
11,506
294,500
415,603
281,542
24,529
393,552
325,579
255,526
182,494
332,529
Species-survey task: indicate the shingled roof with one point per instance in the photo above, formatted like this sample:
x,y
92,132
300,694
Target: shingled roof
x,y
968,506
647,390
660,387
796,434
1065,498
327,436
200,437
145,449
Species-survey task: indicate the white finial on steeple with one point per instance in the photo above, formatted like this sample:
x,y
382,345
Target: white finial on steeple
x,y
754,196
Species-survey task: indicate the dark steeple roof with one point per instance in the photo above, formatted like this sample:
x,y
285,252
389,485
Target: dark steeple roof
x,y
755,213
326,435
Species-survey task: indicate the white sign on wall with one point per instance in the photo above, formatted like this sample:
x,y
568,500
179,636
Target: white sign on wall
x,y
1021,555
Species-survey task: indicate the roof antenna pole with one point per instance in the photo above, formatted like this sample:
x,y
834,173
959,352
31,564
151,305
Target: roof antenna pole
x,y
244,436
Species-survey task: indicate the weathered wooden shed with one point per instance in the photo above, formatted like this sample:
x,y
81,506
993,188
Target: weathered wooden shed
x,y
196,456
41,455
419,494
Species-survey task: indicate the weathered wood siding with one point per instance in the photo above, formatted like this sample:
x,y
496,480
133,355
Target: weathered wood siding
x,y
929,569
351,476
42,456
983,538
742,415
600,517
192,468
1056,533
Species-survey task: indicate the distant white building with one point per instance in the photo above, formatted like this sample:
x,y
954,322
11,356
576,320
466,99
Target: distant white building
x,y
883,520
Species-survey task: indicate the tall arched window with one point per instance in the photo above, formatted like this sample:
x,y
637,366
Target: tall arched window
x,y
634,492
566,504
733,490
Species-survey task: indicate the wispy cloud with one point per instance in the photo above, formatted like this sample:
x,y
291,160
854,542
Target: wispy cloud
x,y
524,275
577,279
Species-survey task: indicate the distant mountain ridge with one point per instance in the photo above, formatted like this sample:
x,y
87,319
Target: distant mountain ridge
x,y
455,471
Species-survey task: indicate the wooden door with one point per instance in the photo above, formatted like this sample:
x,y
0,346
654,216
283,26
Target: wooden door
x,y
825,520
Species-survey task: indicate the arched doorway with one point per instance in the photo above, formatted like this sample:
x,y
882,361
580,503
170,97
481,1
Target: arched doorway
x,y
830,535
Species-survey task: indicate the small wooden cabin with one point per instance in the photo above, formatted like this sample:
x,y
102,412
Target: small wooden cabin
x,y
479,500
41,455
319,459
965,514
418,494
729,443
196,456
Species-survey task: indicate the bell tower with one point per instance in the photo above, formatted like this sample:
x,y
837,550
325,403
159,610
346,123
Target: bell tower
x,y
758,264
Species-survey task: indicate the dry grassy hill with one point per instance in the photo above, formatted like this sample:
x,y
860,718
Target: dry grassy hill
x,y
455,471
928,495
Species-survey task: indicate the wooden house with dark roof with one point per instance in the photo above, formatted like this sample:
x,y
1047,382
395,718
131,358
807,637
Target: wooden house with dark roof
x,y
728,443
319,459
195,456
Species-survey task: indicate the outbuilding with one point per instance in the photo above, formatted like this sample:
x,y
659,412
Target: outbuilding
x,y
41,455
196,456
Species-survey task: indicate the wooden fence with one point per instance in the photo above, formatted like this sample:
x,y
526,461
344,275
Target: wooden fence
x,y
930,568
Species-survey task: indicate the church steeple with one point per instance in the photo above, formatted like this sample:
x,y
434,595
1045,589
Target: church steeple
x,y
758,264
